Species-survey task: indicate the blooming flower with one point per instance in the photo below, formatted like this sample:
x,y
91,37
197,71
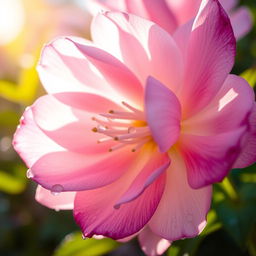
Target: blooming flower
x,y
172,13
137,125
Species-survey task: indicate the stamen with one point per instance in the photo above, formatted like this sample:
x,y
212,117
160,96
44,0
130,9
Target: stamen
x,y
94,129
121,115
135,110
139,145
124,131
133,135
118,146
104,139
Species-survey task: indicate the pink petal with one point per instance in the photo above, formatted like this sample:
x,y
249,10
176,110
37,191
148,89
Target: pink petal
x,y
241,21
163,114
30,142
156,11
228,5
184,9
152,244
181,37
69,127
210,158
210,56
156,52
154,167
182,210
75,172
120,78
62,68
88,102
77,65
95,213
107,5
227,111
62,201
248,154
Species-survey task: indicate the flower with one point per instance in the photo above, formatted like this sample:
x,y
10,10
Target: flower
x,y
137,125
171,14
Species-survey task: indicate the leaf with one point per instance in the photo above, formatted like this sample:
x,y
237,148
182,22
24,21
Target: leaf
x,y
238,216
250,76
25,91
9,118
11,184
74,245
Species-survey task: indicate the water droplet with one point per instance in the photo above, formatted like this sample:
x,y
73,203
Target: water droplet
x,y
29,174
131,130
56,189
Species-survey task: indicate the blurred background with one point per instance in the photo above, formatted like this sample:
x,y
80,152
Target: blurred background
x,y
29,229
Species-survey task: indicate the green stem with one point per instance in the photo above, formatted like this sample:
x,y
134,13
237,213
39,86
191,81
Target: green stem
x,y
228,187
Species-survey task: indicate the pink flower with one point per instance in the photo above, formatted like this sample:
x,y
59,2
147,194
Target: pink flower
x,y
171,14
137,125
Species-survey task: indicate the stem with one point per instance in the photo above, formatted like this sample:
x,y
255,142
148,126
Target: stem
x,y
228,187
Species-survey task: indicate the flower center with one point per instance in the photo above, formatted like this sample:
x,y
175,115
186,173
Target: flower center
x,y
126,128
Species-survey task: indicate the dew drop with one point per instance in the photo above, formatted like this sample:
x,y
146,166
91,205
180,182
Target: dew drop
x,y
56,189
29,174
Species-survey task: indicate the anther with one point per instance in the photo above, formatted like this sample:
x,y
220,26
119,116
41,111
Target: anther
x,y
94,129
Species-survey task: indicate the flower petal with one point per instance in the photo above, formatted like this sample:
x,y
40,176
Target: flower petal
x,y
210,158
184,10
61,201
228,5
119,77
182,210
30,142
156,52
75,172
152,244
248,155
73,129
156,11
241,21
226,112
163,114
154,167
95,213
210,57
77,65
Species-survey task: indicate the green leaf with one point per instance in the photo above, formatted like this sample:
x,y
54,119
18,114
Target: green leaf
x,y
25,90
238,216
11,184
250,76
74,245
9,118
